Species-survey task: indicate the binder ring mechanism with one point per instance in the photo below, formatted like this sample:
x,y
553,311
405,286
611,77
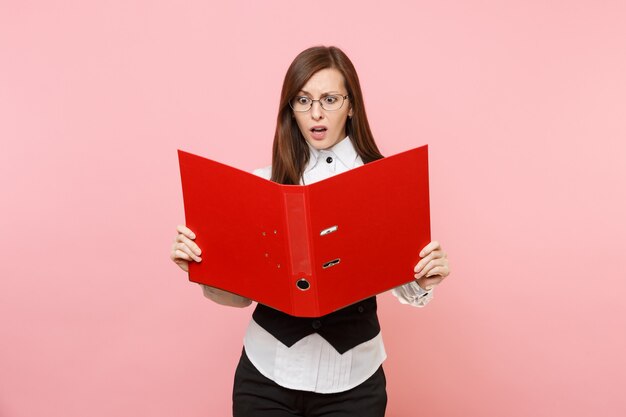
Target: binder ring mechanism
x,y
329,230
325,232
303,284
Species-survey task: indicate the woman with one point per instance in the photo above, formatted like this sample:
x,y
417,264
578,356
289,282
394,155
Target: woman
x,y
330,366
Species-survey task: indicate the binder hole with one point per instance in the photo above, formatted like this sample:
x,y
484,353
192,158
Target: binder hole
x,y
303,284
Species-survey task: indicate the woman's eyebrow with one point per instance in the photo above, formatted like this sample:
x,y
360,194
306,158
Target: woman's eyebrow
x,y
327,92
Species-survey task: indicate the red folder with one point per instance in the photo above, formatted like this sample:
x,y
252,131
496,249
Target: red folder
x,y
308,250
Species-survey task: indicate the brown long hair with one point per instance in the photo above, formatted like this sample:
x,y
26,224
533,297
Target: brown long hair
x,y
290,152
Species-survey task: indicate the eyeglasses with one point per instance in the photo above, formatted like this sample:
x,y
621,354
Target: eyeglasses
x,y
330,102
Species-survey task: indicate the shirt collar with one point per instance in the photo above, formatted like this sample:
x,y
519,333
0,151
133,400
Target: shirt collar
x,y
343,150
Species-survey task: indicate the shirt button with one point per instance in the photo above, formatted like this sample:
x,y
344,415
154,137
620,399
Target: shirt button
x,y
329,160
361,309
316,324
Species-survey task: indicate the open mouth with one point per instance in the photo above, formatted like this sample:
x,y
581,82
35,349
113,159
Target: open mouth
x,y
318,133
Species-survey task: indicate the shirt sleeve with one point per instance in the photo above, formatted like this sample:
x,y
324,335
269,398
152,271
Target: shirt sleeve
x,y
412,294
265,172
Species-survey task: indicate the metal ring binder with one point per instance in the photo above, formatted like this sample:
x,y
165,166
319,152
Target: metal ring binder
x,y
287,233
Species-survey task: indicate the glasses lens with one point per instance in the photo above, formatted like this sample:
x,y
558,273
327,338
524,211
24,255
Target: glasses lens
x,y
301,103
332,102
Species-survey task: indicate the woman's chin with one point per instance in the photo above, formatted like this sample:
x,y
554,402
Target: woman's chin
x,y
322,144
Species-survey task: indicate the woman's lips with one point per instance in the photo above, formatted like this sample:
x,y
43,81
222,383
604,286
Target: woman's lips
x,y
318,132
318,135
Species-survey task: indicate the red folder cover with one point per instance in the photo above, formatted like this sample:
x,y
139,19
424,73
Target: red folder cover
x,y
308,250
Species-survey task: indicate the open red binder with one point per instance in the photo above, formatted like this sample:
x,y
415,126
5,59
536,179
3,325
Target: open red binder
x,y
308,250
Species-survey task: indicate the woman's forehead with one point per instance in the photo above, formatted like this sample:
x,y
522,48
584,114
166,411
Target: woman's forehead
x,y
323,81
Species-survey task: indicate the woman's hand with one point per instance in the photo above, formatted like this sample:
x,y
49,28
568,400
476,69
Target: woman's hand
x,y
433,267
184,249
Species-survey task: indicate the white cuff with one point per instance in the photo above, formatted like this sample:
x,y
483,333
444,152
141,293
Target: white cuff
x,y
411,293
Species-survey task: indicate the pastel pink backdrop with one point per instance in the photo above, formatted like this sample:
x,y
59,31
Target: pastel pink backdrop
x,y
523,106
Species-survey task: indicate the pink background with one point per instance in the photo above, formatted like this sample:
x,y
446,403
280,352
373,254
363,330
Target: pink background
x,y
523,105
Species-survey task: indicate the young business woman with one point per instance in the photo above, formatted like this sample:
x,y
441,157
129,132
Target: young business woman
x,y
332,365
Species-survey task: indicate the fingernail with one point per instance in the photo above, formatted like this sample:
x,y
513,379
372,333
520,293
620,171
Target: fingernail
x,y
199,259
193,235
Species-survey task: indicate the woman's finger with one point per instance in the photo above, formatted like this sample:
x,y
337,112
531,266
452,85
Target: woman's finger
x,y
429,248
432,255
430,265
442,271
187,250
181,228
190,243
180,254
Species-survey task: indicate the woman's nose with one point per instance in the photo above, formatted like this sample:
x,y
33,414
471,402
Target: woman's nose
x,y
316,110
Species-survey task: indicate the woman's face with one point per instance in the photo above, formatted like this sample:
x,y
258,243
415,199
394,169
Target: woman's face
x,y
325,82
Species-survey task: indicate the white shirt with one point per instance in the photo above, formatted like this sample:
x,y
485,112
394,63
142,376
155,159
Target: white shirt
x,y
312,364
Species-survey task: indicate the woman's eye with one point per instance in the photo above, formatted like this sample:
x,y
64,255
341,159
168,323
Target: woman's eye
x,y
330,99
303,100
